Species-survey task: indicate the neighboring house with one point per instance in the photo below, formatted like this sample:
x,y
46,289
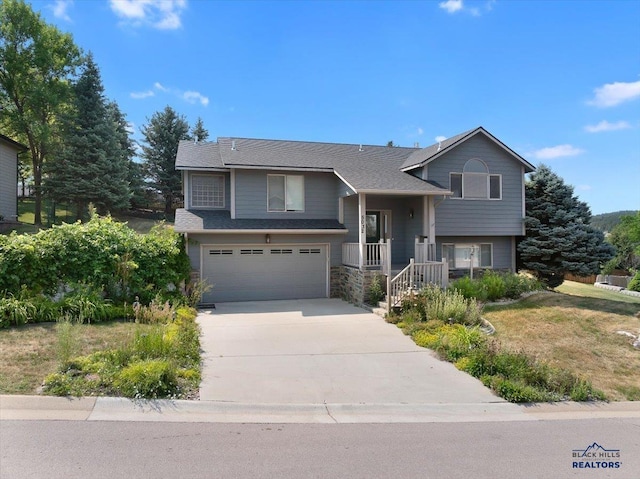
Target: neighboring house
x,y
9,150
273,219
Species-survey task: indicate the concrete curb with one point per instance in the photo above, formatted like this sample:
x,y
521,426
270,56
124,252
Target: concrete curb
x,y
122,409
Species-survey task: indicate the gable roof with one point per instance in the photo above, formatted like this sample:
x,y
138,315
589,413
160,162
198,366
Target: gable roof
x,y
15,144
364,168
426,155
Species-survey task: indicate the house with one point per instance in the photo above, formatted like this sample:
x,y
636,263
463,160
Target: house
x,y
9,150
274,219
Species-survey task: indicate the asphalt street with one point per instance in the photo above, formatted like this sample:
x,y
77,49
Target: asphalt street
x,y
514,450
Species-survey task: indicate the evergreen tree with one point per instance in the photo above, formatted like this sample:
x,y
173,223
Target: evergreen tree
x,y
559,237
162,134
92,164
199,132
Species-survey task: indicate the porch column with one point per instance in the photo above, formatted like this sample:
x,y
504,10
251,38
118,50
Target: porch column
x,y
429,218
362,233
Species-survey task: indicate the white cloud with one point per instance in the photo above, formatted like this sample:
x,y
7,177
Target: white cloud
x,y
160,14
131,127
158,86
451,6
139,95
612,94
60,8
440,138
189,96
194,97
454,6
606,126
558,151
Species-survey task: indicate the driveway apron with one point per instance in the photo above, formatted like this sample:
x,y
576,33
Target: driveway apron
x,y
321,351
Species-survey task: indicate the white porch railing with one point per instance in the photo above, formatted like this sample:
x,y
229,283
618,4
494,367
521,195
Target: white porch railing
x,y
376,255
425,252
415,277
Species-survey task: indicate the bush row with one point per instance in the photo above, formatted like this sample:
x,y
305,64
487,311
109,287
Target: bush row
x,y
79,307
493,285
161,360
514,376
103,254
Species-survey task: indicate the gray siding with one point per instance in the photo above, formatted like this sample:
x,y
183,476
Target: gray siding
x,y
195,240
320,195
502,248
480,217
344,190
227,189
8,182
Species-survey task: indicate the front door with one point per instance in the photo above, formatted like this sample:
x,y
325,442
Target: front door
x,y
378,224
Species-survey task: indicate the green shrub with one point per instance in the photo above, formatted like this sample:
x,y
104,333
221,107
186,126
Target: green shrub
x,y
434,303
493,284
102,253
14,311
376,293
634,284
469,288
516,391
160,360
152,378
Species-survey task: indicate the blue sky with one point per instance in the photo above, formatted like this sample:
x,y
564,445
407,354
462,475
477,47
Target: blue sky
x,y
559,82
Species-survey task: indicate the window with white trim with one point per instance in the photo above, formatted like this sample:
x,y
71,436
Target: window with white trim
x,y
466,255
475,182
285,193
207,191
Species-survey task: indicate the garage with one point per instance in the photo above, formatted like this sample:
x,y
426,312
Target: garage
x,y
265,272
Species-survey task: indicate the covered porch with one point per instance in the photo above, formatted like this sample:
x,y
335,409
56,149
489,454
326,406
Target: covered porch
x,y
393,235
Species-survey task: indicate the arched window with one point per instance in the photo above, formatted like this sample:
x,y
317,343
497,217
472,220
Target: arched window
x,y
475,182
475,165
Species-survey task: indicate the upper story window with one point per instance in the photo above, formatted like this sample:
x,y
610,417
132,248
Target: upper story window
x,y
285,193
207,191
475,182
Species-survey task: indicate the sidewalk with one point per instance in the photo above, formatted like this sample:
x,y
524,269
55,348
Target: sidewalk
x,y
121,409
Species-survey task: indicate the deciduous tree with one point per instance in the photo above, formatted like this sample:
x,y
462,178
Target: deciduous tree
x,y
36,63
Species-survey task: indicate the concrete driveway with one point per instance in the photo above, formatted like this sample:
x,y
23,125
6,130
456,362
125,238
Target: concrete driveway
x,y
321,351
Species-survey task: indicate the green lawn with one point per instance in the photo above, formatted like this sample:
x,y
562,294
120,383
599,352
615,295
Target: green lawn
x,y
589,291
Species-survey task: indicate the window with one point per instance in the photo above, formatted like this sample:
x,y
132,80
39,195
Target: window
x,y
475,182
463,255
285,193
207,191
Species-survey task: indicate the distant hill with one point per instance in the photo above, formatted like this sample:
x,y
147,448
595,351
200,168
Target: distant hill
x,y
606,221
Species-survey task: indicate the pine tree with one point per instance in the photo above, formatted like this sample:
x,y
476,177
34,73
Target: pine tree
x,y
199,132
162,134
92,164
559,237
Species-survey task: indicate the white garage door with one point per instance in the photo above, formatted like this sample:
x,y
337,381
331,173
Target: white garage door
x,y
264,272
